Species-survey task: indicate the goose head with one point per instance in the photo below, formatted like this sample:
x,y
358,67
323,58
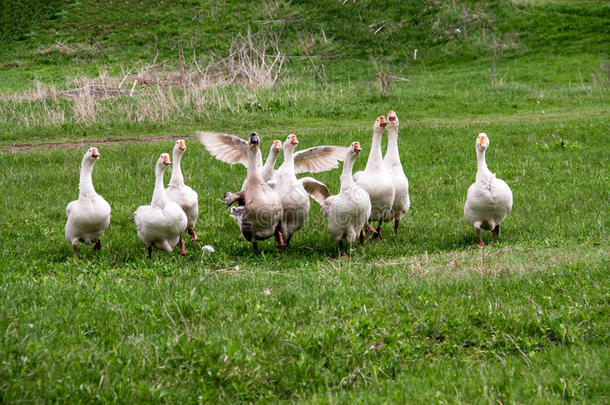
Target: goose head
x,y
482,141
180,146
163,161
380,124
92,154
392,120
253,142
355,149
291,142
277,145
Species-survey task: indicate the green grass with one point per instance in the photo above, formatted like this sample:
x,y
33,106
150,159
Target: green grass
x,y
424,316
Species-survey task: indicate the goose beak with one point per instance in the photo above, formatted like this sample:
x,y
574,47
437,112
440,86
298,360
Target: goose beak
x,y
277,145
95,154
392,116
166,161
294,140
382,122
181,145
357,147
483,140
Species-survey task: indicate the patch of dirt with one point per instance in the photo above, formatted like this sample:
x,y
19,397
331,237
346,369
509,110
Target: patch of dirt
x,y
21,148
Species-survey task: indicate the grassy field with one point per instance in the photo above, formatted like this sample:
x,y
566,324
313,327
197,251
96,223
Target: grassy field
x,y
425,316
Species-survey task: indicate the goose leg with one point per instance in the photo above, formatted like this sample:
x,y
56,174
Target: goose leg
x,y
98,245
369,228
342,249
193,234
361,238
379,230
496,231
481,244
280,240
149,251
75,247
396,222
182,248
255,247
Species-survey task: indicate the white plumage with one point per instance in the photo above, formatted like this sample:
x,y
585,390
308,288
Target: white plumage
x,y
182,194
489,199
89,216
347,211
391,160
377,180
161,223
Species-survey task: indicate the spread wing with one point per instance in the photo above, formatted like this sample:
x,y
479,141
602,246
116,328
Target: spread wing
x,y
227,148
319,158
317,190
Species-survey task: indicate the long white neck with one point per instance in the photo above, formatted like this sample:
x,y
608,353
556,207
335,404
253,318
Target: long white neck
x,y
482,170
392,155
177,179
270,163
159,195
289,160
85,185
375,158
347,181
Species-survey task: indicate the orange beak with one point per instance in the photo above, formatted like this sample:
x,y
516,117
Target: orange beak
x,y
166,159
95,153
483,140
357,147
277,144
382,122
181,145
392,116
294,140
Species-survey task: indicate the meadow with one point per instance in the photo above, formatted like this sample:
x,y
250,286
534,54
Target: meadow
x,y
423,316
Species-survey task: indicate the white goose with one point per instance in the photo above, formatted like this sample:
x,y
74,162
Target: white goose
x,y
391,160
162,223
295,201
347,211
182,194
260,212
377,181
89,216
489,199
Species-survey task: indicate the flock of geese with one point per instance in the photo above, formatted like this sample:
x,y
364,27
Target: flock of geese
x,y
275,202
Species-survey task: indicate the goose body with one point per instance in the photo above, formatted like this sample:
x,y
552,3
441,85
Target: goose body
x,y
295,200
260,209
182,194
391,160
376,179
89,216
161,224
347,211
489,199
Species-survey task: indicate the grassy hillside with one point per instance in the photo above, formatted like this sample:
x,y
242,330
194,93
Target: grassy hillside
x,y
423,316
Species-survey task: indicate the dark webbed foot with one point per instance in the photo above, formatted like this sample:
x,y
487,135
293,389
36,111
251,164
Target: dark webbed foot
x,y
231,198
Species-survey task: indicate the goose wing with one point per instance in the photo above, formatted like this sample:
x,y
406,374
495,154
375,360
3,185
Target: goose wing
x,y
319,158
227,148
316,189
